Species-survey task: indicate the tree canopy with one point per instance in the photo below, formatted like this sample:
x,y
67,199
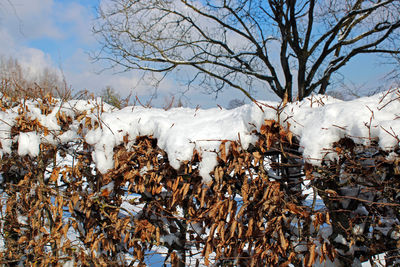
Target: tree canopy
x,y
290,47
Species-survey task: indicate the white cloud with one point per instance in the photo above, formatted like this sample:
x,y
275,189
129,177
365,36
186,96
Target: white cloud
x,y
7,43
30,19
68,24
34,61
79,19
24,20
82,74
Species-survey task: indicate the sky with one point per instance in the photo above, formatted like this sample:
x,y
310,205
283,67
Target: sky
x,y
58,34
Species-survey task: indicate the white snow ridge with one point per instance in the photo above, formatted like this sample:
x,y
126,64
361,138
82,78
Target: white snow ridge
x,y
317,121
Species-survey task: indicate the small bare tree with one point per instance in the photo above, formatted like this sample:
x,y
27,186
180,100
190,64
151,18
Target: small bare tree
x,y
290,47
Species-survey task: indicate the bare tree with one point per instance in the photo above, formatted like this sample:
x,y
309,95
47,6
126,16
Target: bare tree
x,y
290,47
17,81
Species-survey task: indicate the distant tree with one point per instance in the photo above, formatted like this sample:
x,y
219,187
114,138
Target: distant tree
x,y
16,81
110,96
336,94
234,103
290,47
172,102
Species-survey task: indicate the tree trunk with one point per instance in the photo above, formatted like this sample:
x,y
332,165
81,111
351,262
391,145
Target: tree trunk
x,y
301,80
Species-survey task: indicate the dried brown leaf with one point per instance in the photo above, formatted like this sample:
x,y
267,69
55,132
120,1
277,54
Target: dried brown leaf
x,y
222,150
22,239
313,255
207,253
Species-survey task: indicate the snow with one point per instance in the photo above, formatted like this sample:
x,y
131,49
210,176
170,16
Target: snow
x,y
28,144
170,239
340,239
358,229
395,235
317,122
6,122
128,207
362,120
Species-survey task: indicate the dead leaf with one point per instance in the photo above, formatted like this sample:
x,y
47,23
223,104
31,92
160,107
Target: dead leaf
x,y
222,150
313,255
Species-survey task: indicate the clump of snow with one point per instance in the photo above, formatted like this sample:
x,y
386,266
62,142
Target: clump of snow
x,y
28,144
395,235
6,122
170,239
363,120
358,229
392,156
340,239
318,122
109,187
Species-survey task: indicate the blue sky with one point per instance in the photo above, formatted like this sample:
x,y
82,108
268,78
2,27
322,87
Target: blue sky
x,y
57,34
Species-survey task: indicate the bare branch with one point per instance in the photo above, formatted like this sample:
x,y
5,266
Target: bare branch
x,y
273,42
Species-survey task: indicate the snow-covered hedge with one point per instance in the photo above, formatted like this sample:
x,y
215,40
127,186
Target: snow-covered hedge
x,y
317,122
266,183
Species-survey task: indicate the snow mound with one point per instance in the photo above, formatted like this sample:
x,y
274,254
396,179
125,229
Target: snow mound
x,y
363,120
